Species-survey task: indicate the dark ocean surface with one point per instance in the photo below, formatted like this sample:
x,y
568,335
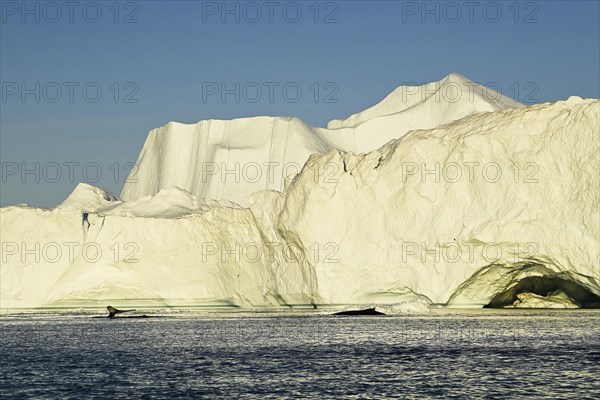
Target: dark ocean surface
x,y
442,354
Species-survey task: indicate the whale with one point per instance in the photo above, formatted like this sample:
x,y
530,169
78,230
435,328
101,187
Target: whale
x,y
112,312
367,311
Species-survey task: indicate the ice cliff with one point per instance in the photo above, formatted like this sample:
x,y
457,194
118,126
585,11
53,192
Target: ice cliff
x,y
497,207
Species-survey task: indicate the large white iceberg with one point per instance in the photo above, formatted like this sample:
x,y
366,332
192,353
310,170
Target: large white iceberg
x,y
495,207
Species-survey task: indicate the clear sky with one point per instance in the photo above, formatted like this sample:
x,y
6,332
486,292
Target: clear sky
x,y
83,82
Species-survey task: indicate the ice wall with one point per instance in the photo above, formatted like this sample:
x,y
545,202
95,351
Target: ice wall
x,y
457,213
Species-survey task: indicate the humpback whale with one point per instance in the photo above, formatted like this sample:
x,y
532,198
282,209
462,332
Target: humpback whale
x,y
367,311
113,311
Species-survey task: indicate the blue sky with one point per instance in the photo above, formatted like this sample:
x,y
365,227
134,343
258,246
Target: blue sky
x,y
155,61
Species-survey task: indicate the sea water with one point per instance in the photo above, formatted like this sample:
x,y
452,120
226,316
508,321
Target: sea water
x,y
442,354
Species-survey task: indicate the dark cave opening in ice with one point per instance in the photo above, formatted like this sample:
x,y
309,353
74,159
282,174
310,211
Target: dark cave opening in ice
x,y
543,286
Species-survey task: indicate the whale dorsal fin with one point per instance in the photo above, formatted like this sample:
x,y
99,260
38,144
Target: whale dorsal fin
x,y
113,311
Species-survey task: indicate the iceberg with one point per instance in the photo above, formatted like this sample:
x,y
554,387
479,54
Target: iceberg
x,y
404,206
232,159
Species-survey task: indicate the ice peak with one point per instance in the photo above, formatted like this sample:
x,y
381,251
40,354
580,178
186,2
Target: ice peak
x,y
88,197
448,99
456,77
